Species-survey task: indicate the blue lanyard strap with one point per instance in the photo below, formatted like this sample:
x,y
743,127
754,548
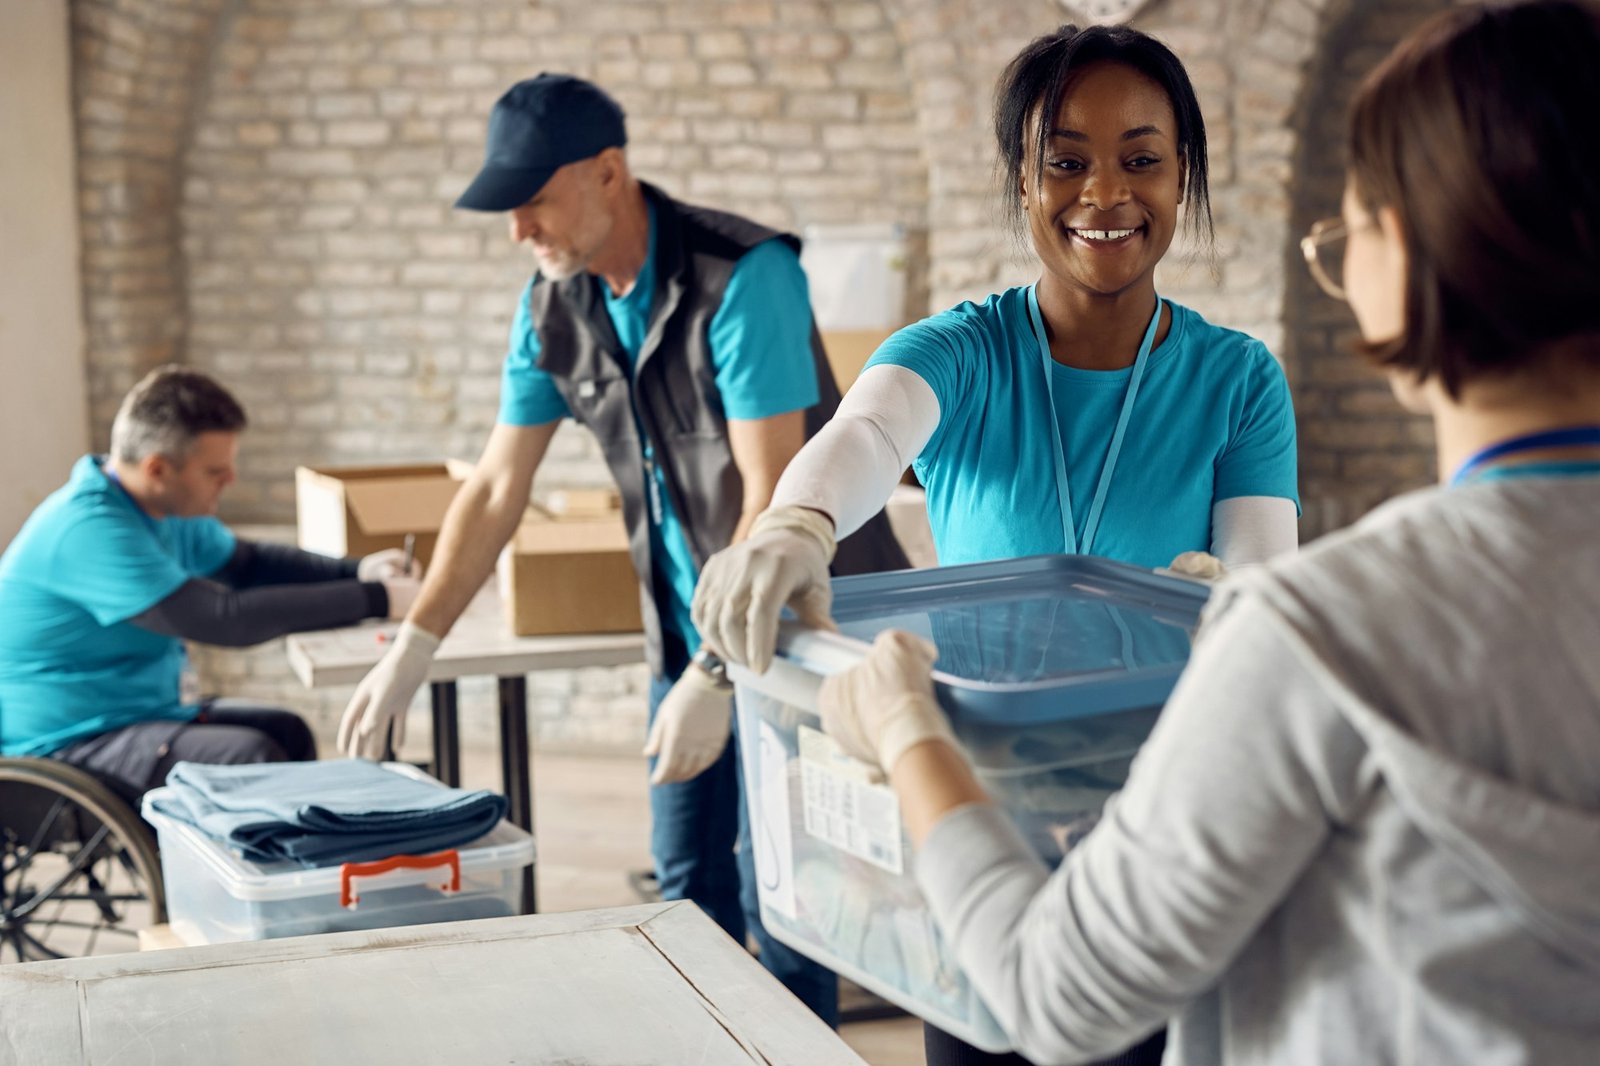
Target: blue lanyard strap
x,y
1091,525
1554,438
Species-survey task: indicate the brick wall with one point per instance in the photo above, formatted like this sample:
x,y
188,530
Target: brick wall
x,y
266,189
359,316
136,67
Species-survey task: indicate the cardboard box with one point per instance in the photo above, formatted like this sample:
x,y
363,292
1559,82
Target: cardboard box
x,y
355,510
585,503
848,351
569,573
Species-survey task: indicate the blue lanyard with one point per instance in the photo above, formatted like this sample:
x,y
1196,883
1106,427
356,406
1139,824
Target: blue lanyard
x,y
1554,438
1091,525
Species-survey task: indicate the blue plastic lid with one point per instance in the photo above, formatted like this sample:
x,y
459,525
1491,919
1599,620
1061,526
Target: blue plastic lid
x,y
1029,640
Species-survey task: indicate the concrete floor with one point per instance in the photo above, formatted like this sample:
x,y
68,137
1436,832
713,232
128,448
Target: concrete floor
x,y
592,825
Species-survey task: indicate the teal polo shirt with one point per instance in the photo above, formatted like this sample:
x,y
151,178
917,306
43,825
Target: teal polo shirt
x,y
760,340
1212,421
71,664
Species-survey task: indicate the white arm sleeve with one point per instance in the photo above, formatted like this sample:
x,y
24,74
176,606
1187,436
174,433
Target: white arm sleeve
x,y
851,466
1250,530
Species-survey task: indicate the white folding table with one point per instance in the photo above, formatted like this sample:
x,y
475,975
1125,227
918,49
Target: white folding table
x,y
656,983
479,644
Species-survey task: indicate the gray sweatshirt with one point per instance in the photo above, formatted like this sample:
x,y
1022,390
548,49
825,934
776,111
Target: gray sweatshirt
x,y
1365,830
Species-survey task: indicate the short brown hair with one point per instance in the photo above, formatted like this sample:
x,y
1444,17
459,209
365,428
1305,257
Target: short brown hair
x,y
167,410
1479,130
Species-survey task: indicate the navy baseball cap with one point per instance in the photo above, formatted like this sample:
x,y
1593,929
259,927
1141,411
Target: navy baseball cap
x,y
536,128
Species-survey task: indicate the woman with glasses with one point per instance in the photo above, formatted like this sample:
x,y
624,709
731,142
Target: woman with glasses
x,y
1083,413
1367,826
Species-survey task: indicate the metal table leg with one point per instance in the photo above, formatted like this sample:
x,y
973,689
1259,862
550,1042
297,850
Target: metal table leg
x,y
446,734
516,769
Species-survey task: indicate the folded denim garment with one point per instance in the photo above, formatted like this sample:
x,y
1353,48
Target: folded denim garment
x,y
325,813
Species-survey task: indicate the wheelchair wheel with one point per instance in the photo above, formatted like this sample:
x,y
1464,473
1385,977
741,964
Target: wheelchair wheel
x,y
79,873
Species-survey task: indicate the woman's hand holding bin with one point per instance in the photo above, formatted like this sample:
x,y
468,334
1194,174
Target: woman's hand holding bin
x,y
744,588
885,706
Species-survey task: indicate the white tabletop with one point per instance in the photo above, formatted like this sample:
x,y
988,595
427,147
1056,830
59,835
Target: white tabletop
x,y
480,643
657,983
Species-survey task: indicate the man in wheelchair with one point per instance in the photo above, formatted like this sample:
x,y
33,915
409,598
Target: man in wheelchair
x,y
125,562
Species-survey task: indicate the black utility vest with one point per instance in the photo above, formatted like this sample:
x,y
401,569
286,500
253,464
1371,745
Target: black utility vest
x,y
671,396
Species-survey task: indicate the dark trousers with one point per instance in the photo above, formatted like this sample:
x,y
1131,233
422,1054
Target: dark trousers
x,y
942,1049
136,758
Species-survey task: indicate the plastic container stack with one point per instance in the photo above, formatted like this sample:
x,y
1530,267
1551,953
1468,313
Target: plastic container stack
x,y
1052,669
214,896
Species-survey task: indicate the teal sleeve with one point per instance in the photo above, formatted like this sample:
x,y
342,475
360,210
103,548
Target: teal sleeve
x,y
1260,458
112,566
206,545
761,336
936,350
528,395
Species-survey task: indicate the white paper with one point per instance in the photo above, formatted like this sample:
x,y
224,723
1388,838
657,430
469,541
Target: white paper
x,y
845,807
857,275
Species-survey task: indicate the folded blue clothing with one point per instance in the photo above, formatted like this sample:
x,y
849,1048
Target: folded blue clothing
x,y
324,813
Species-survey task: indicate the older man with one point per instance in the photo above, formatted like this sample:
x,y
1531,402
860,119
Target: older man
x,y
683,338
116,569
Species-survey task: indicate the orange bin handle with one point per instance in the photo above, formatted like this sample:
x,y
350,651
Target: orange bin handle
x,y
349,871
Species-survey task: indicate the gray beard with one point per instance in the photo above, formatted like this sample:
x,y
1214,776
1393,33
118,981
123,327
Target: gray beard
x,y
560,271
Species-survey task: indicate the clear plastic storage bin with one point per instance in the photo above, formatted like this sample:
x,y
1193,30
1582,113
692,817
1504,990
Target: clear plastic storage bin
x,y
214,896
1052,670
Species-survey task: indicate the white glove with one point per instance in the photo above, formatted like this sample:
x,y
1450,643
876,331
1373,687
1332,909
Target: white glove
x,y
1202,566
385,564
743,588
691,727
381,699
883,707
402,592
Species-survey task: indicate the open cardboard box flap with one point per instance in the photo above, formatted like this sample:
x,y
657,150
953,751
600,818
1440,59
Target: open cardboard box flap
x,y
343,511
400,504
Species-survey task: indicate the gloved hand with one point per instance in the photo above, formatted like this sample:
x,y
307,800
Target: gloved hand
x,y
379,706
1202,566
402,592
691,728
743,588
382,565
881,708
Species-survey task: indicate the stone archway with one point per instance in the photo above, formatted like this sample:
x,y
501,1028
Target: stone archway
x,y
1358,447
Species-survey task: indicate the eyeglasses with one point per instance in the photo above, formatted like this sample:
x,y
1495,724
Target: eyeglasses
x,y
1323,248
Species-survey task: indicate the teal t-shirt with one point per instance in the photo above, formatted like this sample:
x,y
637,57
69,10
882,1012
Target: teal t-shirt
x,y
760,340
71,664
1212,421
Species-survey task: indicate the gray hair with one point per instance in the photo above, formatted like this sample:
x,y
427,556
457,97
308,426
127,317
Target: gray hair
x,y
167,410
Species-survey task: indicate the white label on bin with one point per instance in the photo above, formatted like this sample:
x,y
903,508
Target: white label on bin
x,y
844,806
770,840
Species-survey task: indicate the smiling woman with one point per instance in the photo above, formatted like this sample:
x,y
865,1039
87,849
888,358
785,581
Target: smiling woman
x,y
1080,414
1102,202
